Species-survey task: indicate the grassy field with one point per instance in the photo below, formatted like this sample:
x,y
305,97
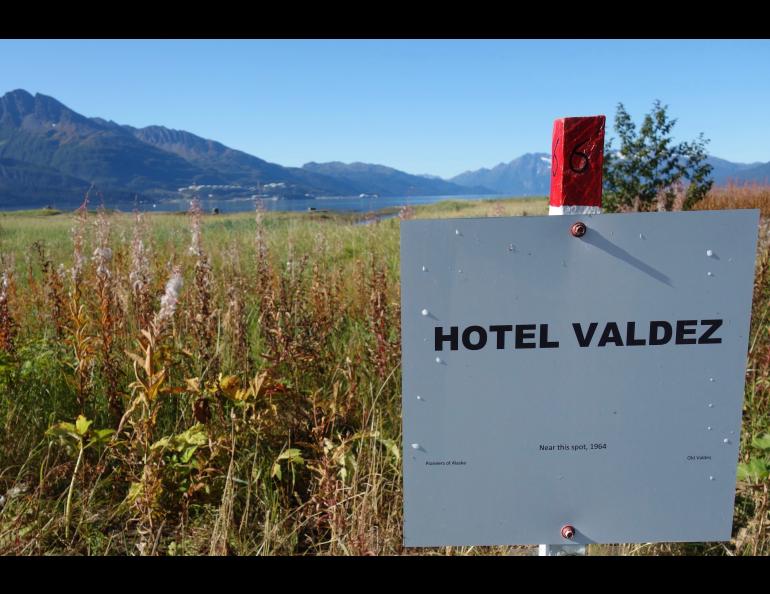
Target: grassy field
x,y
230,384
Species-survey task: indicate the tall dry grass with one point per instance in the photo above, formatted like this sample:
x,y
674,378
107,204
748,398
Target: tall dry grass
x,y
212,395
737,196
231,385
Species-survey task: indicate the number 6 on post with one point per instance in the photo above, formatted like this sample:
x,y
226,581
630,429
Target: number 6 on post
x,y
577,154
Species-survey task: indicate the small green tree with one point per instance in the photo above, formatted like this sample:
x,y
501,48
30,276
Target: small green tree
x,y
649,171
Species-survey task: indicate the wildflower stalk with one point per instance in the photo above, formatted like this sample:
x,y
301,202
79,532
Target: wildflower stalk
x,y
140,277
53,289
235,320
204,316
384,349
150,378
70,491
105,289
80,338
8,325
263,273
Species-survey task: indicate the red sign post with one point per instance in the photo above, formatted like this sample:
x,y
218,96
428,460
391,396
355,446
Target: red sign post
x,y
577,155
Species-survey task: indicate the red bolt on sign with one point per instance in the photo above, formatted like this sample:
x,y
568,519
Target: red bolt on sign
x,y
577,154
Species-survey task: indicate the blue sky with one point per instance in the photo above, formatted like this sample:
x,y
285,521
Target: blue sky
x,y
439,107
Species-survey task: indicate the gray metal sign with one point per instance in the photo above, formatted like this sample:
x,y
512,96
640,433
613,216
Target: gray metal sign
x,y
595,382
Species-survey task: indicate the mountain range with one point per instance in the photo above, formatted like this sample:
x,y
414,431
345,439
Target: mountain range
x,y
50,154
529,175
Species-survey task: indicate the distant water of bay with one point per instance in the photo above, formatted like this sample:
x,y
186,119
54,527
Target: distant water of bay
x,y
349,204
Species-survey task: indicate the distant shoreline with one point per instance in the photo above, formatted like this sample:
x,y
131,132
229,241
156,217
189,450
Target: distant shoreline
x,y
448,205
330,203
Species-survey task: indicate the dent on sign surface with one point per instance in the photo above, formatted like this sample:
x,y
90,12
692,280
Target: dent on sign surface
x,y
594,381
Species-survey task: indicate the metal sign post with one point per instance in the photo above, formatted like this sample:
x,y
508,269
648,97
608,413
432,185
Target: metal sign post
x,y
577,156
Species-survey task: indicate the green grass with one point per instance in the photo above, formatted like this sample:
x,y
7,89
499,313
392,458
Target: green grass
x,y
19,229
39,212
